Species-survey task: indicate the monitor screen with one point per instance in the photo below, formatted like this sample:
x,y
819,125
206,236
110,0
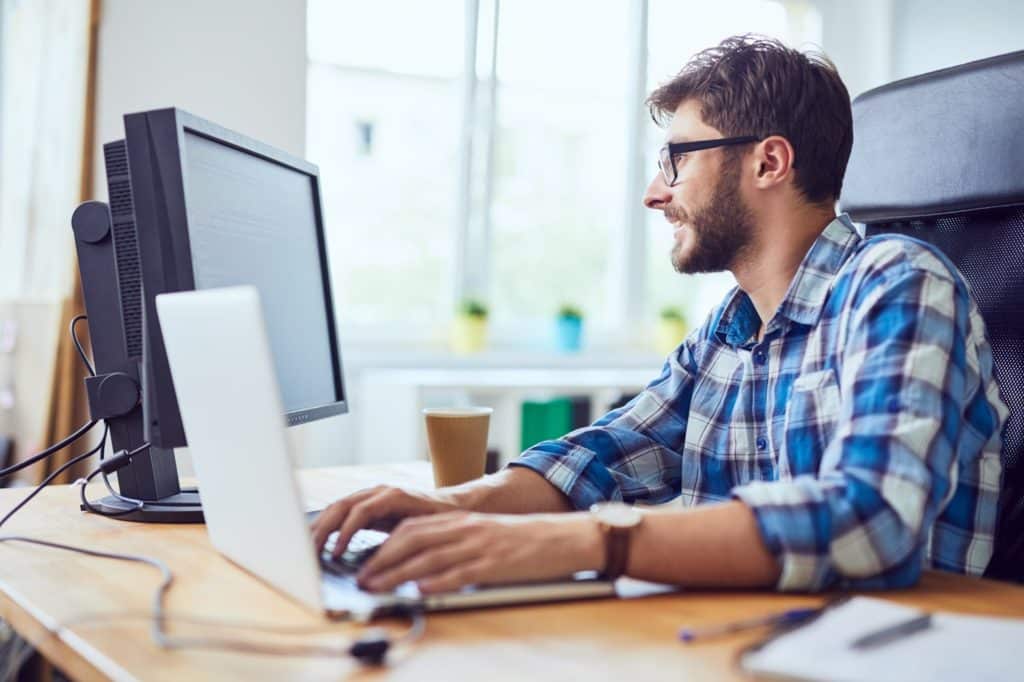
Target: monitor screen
x,y
254,221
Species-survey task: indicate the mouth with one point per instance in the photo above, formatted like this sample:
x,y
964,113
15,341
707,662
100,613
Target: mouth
x,y
675,221
677,225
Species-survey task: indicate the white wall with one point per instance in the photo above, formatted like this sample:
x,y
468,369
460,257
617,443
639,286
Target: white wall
x,y
239,63
857,36
874,42
934,34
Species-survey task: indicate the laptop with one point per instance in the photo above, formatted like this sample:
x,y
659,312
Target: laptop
x,y
232,411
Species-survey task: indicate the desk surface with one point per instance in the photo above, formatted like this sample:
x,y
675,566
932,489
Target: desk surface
x,y
41,588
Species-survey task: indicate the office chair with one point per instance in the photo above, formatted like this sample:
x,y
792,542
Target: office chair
x,y
940,157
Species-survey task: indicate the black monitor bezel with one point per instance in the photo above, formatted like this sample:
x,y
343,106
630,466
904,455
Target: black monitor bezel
x,y
155,141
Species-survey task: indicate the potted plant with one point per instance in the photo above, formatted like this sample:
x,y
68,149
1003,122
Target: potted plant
x,y
670,330
469,333
569,329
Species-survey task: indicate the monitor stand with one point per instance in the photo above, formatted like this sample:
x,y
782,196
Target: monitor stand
x,y
112,291
183,507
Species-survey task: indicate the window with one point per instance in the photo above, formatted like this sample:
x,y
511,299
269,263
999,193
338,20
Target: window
x,y
530,206
559,189
383,121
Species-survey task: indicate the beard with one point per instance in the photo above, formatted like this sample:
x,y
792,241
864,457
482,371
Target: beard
x,y
721,231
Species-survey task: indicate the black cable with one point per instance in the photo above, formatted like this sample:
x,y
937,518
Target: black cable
x,y
78,344
48,451
137,505
74,436
68,464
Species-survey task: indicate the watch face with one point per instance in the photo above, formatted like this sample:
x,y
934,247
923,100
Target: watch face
x,y
617,514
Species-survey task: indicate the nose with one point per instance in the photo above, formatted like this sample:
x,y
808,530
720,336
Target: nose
x,y
658,194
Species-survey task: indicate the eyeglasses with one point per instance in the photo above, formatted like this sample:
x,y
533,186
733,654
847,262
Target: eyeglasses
x,y
667,155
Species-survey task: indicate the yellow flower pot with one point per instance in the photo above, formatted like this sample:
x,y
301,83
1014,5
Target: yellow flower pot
x,y
469,334
668,334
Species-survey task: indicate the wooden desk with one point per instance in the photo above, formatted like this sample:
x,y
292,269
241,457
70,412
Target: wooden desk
x,y
41,588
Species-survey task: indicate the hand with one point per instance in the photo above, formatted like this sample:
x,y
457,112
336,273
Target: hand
x,y
445,552
379,508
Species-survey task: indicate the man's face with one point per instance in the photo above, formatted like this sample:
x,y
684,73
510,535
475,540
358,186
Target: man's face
x,y
713,226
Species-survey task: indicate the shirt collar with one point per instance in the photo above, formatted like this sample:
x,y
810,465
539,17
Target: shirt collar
x,y
805,298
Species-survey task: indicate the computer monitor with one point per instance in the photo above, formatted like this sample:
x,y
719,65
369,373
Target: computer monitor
x,y
196,206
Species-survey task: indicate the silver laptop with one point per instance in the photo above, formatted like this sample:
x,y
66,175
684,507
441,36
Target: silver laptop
x,y
233,416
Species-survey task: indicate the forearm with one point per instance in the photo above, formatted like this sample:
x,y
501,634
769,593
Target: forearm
x,y
514,490
710,545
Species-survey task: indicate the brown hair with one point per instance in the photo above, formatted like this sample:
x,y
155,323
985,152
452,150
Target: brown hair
x,y
752,85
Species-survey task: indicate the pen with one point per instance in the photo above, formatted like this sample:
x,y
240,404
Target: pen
x,y
790,617
893,632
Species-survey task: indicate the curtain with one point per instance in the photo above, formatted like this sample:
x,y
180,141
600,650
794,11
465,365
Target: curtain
x,y
47,83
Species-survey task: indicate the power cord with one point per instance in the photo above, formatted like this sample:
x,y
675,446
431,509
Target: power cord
x,y
135,505
78,344
371,648
82,430
46,481
48,451
109,466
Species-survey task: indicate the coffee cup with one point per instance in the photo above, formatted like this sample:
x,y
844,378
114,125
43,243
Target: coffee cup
x,y
458,442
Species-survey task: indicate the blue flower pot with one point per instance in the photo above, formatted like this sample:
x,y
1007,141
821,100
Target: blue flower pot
x,y
570,334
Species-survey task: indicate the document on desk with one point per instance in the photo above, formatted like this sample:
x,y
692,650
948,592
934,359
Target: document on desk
x,y
955,647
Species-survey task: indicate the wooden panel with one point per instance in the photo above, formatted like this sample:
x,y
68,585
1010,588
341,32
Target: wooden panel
x,y
607,639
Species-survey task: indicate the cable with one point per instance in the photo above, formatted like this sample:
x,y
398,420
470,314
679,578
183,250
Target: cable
x,y
369,648
74,436
49,451
138,504
192,619
68,464
78,344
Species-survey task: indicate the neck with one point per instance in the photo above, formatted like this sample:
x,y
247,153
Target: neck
x,y
781,242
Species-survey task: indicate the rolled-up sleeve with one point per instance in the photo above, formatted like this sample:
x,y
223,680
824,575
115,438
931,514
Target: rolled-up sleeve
x,y
890,468
631,454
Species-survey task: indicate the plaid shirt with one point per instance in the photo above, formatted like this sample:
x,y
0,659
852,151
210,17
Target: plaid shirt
x,y
864,430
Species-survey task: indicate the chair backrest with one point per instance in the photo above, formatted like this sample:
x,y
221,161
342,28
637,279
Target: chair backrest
x,y
940,157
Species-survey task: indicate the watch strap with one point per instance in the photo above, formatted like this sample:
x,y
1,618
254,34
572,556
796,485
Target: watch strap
x,y
616,551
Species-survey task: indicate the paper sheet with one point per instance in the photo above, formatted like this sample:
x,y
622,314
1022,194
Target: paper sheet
x,y
955,647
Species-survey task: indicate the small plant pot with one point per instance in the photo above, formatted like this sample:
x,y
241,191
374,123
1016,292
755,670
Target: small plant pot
x,y
469,334
569,334
668,334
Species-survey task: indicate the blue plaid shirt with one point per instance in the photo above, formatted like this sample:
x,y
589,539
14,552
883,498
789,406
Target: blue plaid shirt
x,y
863,431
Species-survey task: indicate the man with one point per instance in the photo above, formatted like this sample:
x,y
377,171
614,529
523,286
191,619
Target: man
x,y
833,423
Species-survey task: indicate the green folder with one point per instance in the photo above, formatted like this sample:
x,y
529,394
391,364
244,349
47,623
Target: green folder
x,y
545,420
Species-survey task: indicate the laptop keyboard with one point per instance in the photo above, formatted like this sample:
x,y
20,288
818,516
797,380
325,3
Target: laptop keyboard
x,y
360,548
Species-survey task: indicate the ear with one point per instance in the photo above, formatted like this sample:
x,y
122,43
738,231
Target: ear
x,y
773,160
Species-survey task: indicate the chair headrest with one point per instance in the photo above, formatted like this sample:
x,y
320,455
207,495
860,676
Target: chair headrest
x,y
944,142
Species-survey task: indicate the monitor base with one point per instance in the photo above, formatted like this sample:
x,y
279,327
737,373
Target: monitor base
x,y
184,507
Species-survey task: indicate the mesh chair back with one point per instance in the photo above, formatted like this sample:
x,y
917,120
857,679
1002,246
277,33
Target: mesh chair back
x,y
988,248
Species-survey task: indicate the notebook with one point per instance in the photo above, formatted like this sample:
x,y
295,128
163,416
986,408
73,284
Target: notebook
x,y
955,647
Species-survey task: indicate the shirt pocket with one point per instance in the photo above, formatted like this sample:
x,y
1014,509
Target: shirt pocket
x,y
811,418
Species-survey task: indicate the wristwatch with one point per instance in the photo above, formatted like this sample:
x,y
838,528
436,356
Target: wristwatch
x,y
617,521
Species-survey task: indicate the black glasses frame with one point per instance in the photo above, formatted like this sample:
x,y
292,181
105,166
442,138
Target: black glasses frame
x,y
667,154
